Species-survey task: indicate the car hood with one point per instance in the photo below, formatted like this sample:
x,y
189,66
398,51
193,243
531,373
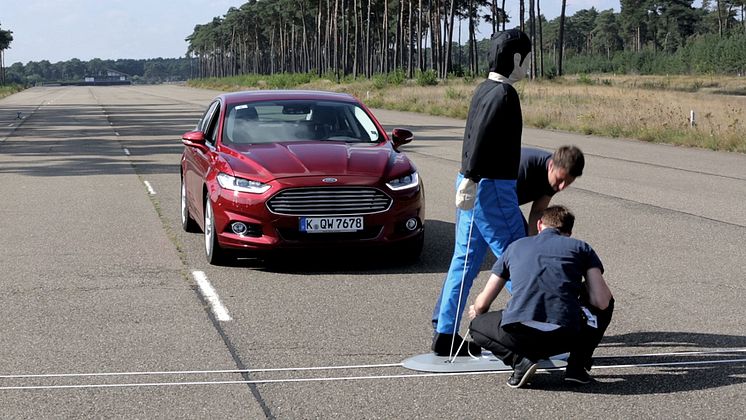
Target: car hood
x,y
283,160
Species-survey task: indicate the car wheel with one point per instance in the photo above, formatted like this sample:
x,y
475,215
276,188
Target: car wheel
x,y
187,222
215,254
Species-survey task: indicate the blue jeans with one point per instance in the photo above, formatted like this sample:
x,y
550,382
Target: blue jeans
x,y
495,221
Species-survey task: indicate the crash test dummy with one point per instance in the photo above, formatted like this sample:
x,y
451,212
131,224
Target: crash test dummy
x,y
487,212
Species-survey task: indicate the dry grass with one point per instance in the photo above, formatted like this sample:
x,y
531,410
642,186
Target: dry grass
x,y
9,90
648,108
654,115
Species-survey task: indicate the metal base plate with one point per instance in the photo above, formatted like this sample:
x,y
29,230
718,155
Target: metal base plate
x,y
429,362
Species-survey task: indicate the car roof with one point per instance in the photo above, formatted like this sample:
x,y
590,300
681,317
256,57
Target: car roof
x,y
265,95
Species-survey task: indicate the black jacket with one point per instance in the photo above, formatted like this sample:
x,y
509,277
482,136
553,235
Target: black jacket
x,y
492,138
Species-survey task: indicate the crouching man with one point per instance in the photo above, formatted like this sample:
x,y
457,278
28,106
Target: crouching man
x,y
551,310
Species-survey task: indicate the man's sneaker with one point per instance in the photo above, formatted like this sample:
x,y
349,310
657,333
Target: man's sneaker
x,y
442,346
522,372
577,375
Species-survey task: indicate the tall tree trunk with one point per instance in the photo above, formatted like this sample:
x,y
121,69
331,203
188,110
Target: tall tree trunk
x,y
397,43
449,40
306,55
356,38
335,29
532,35
419,35
720,18
345,38
368,56
410,42
561,41
493,10
522,13
431,19
385,38
470,41
541,40
318,41
328,50
432,16
503,8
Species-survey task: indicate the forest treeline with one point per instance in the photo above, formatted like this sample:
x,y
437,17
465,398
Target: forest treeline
x,y
362,38
365,37
156,70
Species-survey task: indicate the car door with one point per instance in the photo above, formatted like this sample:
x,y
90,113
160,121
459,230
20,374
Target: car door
x,y
198,160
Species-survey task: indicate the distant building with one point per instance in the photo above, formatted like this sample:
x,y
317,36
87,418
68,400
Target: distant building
x,y
110,77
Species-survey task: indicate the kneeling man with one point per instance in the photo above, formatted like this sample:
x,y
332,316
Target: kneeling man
x,y
551,310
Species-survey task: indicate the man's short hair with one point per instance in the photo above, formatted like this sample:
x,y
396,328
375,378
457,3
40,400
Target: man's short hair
x,y
569,158
558,217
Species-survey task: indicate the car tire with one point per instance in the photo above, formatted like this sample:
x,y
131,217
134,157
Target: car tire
x,y
214,253
187,222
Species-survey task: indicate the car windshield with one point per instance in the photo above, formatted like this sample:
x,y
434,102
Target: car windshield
x,y
298,120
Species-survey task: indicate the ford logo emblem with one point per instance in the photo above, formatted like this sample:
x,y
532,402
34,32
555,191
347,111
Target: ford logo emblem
x,y
329,180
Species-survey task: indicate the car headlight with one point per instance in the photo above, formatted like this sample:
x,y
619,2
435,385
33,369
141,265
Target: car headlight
x,y
405,182
239,184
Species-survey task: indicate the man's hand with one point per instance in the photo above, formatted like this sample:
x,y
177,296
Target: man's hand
x,y
466,194
472,312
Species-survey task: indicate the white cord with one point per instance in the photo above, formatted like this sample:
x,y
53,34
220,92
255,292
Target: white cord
x,y
468,350
451,356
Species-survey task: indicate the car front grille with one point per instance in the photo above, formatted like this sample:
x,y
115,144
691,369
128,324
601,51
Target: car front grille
x,y
329,201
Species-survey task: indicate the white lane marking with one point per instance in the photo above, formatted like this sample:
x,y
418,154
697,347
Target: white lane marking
x,y
151,191
126,151
674,353
348,378
341,367
198,372
208,292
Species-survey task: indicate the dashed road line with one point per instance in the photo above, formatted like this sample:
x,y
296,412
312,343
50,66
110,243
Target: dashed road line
x,y
151,191
209,294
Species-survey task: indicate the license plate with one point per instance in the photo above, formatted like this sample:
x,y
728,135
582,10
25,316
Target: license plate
x,y
331,224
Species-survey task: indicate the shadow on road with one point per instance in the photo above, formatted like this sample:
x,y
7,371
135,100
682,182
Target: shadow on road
x,y
435,257
686,371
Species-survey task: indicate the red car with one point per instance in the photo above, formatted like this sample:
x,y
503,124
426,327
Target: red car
x,y
267,170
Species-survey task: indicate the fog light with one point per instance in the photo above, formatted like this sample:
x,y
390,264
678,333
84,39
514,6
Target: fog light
x,y
411,224
239,228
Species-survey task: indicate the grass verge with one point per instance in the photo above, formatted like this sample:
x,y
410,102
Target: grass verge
x,y
648,108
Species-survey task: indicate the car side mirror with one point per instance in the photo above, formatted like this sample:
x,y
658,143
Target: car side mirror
x,y
194,139
401,136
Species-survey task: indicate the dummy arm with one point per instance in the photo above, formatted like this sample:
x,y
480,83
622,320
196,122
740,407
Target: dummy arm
x,y
466,194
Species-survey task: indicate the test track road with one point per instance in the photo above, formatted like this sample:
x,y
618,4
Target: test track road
x,y
103,316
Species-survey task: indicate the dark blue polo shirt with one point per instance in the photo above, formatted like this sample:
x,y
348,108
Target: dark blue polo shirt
x,y
547,272
533,179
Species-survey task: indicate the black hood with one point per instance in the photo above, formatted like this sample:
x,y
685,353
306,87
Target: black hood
x,y
504,45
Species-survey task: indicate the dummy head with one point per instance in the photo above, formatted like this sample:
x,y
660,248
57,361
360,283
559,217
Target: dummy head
x,y
508,54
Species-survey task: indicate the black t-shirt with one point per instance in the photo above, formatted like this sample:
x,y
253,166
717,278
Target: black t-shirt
x,y
533,182
492,137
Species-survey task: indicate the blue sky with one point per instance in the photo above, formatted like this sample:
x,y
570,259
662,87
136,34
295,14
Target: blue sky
x,y
59,30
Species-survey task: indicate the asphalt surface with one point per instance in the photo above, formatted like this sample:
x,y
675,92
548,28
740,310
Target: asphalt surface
x,y
102,316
